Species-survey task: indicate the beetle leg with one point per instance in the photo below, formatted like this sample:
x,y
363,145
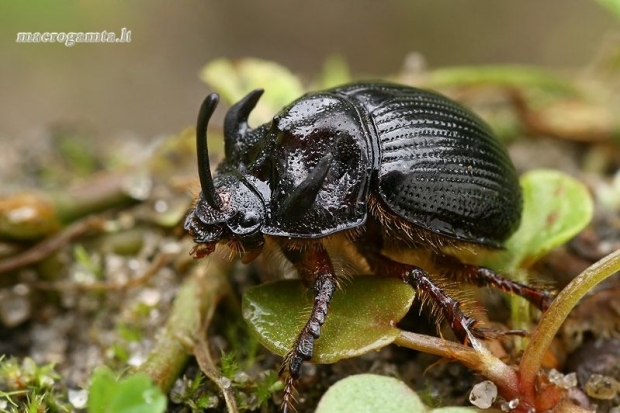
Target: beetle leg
x,y
313,265
461,324
481,277
485,277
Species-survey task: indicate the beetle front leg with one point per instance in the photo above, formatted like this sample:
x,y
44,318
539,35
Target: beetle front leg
x,y
312,264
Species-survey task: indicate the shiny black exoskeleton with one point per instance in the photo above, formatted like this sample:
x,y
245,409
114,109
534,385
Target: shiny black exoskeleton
x,y
390,167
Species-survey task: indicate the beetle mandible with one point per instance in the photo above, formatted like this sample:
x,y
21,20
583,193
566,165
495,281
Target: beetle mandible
x,y
390,167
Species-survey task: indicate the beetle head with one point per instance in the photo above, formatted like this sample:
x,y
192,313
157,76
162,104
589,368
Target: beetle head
x,y
229,208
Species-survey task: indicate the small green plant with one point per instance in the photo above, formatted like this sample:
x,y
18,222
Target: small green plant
x,y
230,365
193,394
27,386
265,387
133,394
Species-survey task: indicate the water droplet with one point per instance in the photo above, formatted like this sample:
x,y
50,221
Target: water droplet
x,y
138,186
513,404
225,382
160,206
148,396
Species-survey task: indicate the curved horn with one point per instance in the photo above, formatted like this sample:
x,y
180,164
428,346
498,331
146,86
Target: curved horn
x,y
236,121
204,169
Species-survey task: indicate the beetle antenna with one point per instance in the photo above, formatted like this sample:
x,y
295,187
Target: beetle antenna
x,y
236,120
302,197
204,168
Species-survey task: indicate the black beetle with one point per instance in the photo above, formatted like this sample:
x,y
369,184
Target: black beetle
x,y
391,167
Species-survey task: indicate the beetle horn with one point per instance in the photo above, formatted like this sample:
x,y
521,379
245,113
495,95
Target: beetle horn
x,y
303,196
204,169
236,121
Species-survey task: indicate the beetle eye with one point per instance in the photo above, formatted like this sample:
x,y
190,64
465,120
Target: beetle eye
x,y
245,223
249,220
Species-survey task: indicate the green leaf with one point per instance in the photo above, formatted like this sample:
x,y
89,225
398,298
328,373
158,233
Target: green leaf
x,y
335,72
556,207
511,76
369,393
454,409
133,394
361,318
233,80
612,5
78,153
101,389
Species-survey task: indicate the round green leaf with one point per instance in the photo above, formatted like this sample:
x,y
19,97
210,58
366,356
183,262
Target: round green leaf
x,y
137,394
361,317
556,207
370,393
133,394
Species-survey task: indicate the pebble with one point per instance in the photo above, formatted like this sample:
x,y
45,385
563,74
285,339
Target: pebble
x,y
602,387
78,398
483,394
565,381
15,305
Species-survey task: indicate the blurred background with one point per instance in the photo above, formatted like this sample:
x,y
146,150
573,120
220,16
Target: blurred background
x,y
98,138
151,87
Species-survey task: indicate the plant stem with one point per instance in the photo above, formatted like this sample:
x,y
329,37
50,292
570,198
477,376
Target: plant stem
x,y
520,310
208,367
553,318
477,359
49,246
199,293
100,193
